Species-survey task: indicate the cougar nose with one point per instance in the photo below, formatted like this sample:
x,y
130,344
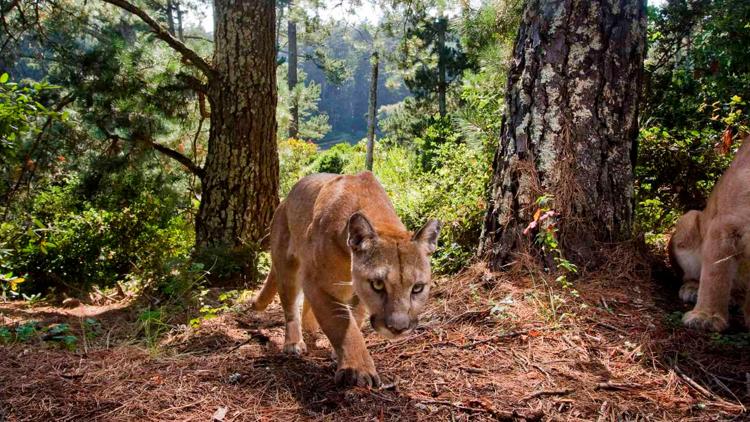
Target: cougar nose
x,y
397,323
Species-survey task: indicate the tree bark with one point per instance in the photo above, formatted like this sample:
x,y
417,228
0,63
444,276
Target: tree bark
x,y
241,181
442,28
569,128
374,61
292,72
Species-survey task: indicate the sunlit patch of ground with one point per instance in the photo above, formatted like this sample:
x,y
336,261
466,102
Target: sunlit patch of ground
x,y
491,346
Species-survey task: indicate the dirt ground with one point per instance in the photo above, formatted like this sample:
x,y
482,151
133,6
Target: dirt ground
x,y
491,346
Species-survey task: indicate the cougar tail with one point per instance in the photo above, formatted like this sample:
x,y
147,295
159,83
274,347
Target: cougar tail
x,y
266,294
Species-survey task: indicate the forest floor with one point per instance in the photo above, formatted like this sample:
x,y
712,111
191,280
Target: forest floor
x,y
490,346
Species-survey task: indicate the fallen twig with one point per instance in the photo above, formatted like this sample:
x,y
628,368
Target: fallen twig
x,y
699,388
493,338
543,393
473,370
506,415
609,385
719,383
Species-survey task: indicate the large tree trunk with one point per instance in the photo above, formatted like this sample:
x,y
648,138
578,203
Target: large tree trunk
x,y
291,79
240,186
374,62
569,127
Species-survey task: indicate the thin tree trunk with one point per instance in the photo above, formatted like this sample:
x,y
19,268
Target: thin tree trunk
x,y
292,72
170,16
279,17
374,61
442,27
569,127
240,187
180,34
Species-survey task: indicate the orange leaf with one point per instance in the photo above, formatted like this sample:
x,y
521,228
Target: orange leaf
x,y
537,214
726,141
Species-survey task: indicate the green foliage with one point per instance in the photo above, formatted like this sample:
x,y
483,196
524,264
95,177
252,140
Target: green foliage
x,y
313,124
152,324
61,334
696,107
10,284
69,243
295,162
426,42
737,341
20,110
333,160
544,225
25,331
439,131
454,193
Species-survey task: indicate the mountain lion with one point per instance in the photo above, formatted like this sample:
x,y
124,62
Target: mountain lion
x,y
337,239
711,249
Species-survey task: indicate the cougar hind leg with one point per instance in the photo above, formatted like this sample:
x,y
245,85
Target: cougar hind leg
x,y
290,292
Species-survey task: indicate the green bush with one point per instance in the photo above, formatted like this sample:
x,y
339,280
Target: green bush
x,y
333,160
676,172
295,161
68,244
440,131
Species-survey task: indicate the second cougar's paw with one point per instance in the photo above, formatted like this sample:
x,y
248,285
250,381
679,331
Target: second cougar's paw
x,y
295,348
356,377
689,292
705,321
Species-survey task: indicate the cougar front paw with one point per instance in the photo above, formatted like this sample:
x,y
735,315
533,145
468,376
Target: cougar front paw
x,y
357,377
705,321
297,349
689,292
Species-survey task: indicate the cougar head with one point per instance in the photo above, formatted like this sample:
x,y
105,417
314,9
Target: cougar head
x,y
391,273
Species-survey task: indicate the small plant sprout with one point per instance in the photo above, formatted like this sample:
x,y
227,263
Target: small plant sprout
x,y
9,285
545,223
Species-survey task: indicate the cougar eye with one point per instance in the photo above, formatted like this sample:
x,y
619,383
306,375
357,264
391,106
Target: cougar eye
x,y
377,285
417,288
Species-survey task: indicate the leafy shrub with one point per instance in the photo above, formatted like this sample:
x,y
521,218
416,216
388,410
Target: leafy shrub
x,y
295,162
333,160
440,131
70,245
455,193
676,172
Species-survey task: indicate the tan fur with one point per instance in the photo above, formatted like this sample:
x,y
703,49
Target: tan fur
x,y
337,238
712,249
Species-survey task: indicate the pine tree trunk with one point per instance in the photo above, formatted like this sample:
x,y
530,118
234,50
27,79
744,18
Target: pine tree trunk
x,y
371,110
180,33
240,187
569,127
442,28
170,16
292,73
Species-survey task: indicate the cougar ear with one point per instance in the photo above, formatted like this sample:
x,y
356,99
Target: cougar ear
x,y
428,235
362,235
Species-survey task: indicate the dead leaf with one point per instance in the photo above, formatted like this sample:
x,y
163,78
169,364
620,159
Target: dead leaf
x,y
220,413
